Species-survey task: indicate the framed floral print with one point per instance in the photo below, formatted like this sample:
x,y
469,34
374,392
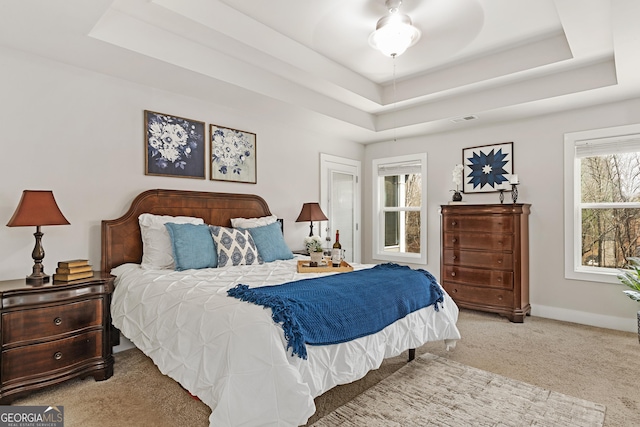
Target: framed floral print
x,y
174,146
233,155
487,168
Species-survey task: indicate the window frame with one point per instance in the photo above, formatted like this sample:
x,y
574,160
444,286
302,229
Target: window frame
x,y
379,210
573,268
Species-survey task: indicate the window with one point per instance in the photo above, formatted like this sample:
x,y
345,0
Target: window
x,y
400,218
602,202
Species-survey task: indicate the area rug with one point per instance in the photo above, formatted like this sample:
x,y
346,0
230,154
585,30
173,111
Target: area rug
x,y
434,391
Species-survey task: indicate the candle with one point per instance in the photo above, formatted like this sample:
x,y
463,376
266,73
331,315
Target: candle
x,y
514,179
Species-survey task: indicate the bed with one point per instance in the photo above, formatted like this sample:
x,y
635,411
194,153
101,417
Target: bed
x,y
227,352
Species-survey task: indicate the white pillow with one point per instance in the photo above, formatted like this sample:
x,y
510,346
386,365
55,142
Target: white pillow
x,y
253,222
157,252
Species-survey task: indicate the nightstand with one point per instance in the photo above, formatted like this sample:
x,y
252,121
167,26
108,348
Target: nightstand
x,y
53,333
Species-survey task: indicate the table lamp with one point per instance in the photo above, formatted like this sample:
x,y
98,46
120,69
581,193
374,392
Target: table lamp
x,y
311,212
37,208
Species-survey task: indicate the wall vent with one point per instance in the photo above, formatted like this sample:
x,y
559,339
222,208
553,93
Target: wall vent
x,y
464,119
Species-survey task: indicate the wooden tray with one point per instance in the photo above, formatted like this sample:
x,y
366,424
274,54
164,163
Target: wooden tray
x,y
303,267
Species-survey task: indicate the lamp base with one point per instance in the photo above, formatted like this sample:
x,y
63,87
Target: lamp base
x,y
38,276
37,279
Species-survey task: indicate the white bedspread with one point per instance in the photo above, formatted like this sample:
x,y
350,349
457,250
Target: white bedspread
x,y
231,354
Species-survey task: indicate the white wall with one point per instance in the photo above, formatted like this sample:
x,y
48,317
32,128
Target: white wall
x,y
538,161
80,134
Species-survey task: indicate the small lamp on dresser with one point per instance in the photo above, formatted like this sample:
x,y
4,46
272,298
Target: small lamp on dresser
x,y
37,208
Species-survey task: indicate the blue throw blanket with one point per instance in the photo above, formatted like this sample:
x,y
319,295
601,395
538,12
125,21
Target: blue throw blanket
x,y
343,307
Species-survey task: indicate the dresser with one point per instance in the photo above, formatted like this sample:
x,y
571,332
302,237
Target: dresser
x,y
484,260
54,332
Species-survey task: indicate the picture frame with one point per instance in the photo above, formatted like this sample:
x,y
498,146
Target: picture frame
x,y
233,155
487,168
174,146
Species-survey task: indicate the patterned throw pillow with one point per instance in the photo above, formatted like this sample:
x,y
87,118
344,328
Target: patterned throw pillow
x,y
235,247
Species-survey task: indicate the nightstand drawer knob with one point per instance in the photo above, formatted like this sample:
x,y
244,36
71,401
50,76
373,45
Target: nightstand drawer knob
x,y
453,274
57,355
454,223
454,240
57,321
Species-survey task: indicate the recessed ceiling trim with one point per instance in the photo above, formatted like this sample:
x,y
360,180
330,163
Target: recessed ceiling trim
x,y
130,33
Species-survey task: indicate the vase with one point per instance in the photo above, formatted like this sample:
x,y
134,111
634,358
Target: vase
x,y
316,258
457,197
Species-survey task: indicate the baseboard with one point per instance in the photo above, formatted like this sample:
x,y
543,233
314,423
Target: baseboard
x,y
125,344
585,318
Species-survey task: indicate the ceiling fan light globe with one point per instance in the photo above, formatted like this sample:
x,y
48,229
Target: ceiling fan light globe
x,y
394,34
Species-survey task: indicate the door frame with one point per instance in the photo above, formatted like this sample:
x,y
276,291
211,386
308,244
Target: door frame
x,y
327,164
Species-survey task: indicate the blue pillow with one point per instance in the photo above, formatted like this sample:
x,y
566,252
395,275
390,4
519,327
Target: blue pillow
x,y
270,242
192,246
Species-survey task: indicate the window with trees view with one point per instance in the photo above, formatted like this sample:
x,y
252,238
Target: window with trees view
x,y
606,194
399,197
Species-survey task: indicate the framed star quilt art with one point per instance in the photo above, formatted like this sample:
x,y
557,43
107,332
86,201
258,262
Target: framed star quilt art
x,y
487,168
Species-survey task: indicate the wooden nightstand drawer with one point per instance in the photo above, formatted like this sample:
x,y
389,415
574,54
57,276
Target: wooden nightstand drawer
x,y
38,323
495,260
38,359
478,276
485,241
482,223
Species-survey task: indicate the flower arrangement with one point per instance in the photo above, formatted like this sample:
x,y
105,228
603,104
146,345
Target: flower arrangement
x,y
313,244
231,150
457,176
457,180
171,140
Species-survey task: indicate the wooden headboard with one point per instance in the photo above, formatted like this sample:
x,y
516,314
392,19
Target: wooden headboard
x,y
121,241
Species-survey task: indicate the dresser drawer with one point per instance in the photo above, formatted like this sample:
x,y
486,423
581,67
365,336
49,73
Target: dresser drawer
x,y
486,223
489,260
44,322
49,357
483,241
478,295
479,277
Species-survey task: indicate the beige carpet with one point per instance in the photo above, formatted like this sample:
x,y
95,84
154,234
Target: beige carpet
x,y
594,364
434,391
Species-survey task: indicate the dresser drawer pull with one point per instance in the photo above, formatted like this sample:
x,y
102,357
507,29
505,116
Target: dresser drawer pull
x,y
499,261
454,223
453,274
454,257
57,355
57,321
499,279
454,240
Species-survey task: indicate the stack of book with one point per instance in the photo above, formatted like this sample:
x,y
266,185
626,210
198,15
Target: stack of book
x,y
72,270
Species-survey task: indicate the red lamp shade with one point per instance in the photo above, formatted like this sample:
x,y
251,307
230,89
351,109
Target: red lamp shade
x,y
311,212
37,208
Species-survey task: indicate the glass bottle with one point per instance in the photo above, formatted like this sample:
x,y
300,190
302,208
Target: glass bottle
x,y
336,252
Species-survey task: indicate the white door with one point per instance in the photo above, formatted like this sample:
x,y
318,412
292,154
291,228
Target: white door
x,y
340,200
